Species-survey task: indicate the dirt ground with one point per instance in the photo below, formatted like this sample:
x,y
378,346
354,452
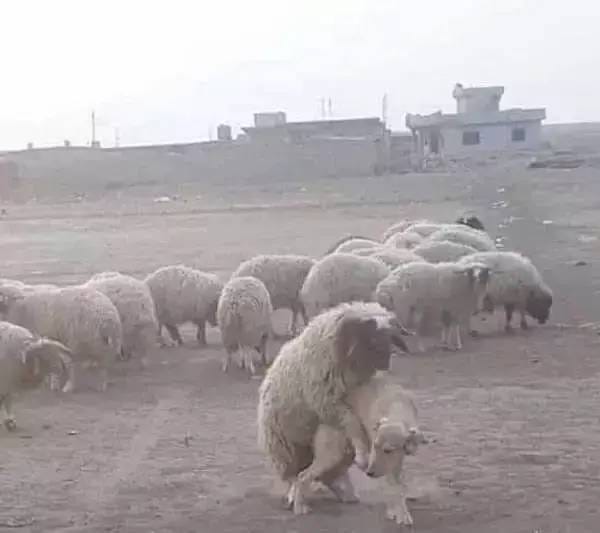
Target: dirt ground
x,y
512,420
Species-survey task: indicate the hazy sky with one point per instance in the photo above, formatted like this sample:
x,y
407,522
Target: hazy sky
x,y
171,71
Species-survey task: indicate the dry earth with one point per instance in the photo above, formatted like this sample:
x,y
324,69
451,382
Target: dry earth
x,y
513,420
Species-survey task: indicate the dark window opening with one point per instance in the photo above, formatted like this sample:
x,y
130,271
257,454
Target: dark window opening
x,y
470,138
518,134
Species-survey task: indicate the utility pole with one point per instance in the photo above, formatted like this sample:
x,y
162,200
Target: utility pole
x,y
384,108
322,107
330,108
117,139
93,129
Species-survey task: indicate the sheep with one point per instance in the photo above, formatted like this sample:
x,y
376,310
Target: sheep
x,y
25,361
479,240
426,228
390,421
182,294
393,258
472,222
449,291
133,301
283,276
351,244
341,278
401,226
345,239
442,251
404,239
81,318
308,383
244,317
515,284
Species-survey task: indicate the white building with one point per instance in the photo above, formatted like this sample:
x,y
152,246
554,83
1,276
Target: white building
x,y
478,125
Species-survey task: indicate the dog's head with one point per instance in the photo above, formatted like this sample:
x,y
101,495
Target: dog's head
x,y
364,340
392,442
538,305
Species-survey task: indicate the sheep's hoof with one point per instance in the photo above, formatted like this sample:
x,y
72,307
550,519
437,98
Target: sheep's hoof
x,y
524,325
10,424
301,508
509,329
68,387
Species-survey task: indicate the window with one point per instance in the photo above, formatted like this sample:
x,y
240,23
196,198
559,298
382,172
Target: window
x,y
518,134
470,138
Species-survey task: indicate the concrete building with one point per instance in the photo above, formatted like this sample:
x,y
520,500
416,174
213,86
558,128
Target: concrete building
x,y
478,125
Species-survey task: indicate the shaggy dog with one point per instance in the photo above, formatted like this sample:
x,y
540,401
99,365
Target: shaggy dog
x,y
389,417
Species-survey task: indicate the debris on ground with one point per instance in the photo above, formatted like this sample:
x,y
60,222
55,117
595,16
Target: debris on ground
x,y
558,162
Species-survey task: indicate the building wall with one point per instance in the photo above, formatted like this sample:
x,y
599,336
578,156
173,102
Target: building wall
x,y
492,137
64,171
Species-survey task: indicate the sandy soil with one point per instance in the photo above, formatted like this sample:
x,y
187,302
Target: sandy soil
x,y
513,420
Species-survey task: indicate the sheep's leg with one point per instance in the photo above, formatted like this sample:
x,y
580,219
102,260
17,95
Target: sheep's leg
x,y
343,489
508,310
103,380
69,385
9,420
459,344
446,331
523,324
201,333
227,360
159,336
249,360
263,351
293,321
174,333
398,511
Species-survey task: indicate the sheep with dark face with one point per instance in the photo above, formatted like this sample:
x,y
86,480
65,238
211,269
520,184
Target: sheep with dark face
x,y
309,381
472,222
25,360
515,284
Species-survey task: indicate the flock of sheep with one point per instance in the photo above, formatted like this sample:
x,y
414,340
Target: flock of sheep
x,y
323,404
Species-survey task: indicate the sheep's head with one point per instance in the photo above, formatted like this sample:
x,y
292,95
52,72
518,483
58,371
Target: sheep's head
x,y
472,222
538,305
9,295
44,357
479,277
364,341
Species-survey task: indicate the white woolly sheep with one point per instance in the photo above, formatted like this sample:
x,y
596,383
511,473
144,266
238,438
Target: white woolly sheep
x,y
404,239
25,361
244,317
283,276
516,284
345,239
394,257
479,240
341,278
353,244
401,226
389,417
82,318
442,251
308,384
449,291
182,294
133,301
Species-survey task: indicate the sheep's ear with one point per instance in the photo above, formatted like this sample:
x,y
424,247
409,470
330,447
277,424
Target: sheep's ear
x,y
352,332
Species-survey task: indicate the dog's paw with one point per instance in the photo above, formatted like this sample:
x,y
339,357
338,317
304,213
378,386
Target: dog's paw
x,y
400,515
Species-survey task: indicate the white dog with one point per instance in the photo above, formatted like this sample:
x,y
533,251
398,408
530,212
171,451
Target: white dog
x,y
389,418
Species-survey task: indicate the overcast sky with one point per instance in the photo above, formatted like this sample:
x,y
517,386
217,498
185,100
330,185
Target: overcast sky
x,y
171,71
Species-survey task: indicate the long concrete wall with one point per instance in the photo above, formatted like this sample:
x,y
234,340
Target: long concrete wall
x,y
83,170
